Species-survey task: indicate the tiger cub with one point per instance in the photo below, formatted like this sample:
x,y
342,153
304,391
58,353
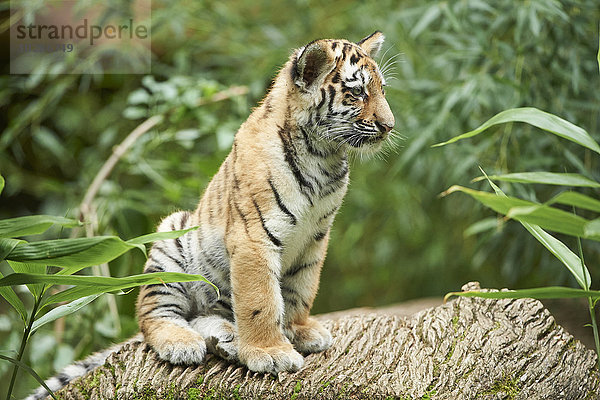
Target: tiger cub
x,y
265,217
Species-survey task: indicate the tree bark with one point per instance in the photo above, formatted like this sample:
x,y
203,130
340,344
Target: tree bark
x,y
466,349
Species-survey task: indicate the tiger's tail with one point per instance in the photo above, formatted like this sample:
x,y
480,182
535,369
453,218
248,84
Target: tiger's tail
x,y
78,369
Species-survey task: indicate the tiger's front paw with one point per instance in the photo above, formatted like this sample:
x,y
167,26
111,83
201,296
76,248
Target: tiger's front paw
x,y
310,337
271,360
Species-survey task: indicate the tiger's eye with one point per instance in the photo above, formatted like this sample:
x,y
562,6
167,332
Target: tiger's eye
x,y
357,91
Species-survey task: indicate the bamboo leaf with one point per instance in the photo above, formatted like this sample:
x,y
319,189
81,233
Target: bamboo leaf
x,y
577,200
80,252
592,229
108,281
563,253
555,246
548,178
7,246
152,237
11,297
63,310
543,120
526,211
550,292
1,184
28,268
32,225
90,285
31,372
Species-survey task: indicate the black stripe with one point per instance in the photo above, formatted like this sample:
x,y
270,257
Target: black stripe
x,y
299,267
323,95
176,286
184,220
64,378
242,216
282,206
179,263
320,236
354,59
331,90
157,293
290,158
329,214
153,268
172,307
177,242
292,301
310,145
272,237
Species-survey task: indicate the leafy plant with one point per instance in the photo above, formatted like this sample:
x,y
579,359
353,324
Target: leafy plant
x,y
536,217
30,261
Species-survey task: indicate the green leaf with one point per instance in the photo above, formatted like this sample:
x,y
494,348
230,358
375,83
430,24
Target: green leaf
x,y
478,227
63,310
89,285
7,246
550,292
592,229
9,295
554,246
526,211
152,237
538,118
31,372
1,184
548,178
32,225
35,289
563,253
576,199
80,252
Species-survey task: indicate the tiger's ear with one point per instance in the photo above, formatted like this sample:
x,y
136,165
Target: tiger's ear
x,y
312,64
372,43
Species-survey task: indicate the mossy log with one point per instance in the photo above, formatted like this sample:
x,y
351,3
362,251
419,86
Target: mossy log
x,y
468,348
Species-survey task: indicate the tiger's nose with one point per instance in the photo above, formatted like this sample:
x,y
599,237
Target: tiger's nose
x,y
383,127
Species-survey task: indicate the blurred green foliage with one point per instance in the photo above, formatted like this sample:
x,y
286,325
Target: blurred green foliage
x,y
457,64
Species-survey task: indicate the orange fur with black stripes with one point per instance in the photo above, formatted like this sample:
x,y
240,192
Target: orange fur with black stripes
x,y
264,218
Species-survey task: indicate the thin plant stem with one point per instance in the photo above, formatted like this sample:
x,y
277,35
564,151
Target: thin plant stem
x,y
595,329
590,301
26,333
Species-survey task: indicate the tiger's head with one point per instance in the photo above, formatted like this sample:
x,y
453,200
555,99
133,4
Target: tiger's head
x,y
342,91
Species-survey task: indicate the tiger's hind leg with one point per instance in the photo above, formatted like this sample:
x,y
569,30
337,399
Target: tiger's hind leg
x,y
165,328
219,334
163,309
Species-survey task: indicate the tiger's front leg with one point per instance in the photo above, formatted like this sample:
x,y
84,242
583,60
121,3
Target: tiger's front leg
x,y
299,286
259,310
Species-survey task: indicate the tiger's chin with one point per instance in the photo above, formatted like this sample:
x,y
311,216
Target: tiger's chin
x,y
366,145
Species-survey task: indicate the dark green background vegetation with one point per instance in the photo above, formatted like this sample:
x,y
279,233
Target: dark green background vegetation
x,y
458,64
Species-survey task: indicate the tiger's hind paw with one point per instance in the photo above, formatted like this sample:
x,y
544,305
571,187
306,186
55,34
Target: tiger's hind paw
x,y
176,344
219,334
